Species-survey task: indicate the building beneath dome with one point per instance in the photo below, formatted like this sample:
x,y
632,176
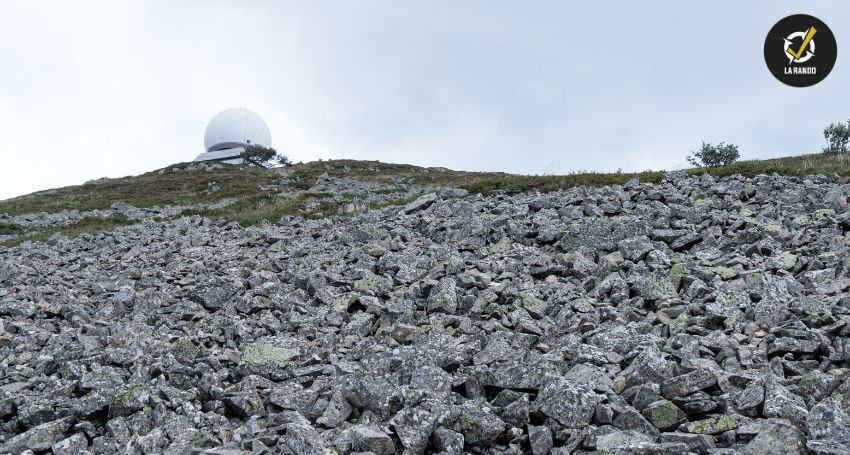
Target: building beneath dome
x,y
230,131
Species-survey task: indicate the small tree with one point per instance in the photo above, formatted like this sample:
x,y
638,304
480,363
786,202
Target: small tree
x,y
259,156
714,155
837,136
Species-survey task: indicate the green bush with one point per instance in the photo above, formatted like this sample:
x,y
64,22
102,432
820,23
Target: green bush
x,y
837,136
259,156
710,155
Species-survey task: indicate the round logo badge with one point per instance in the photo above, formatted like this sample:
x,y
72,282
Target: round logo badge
x,y
800,50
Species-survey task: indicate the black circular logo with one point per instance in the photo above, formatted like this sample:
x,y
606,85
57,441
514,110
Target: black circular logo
x,y
800,50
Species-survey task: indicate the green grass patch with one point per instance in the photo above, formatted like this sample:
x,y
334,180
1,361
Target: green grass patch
x,y
10,229
317,194
402,201
546,183
252,210
390,190
819,163
87,225
161,187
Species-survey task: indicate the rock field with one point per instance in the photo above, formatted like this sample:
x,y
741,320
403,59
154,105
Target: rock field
x,y
698,315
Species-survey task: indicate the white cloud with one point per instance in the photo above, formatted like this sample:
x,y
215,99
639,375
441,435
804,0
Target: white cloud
x,y
106,88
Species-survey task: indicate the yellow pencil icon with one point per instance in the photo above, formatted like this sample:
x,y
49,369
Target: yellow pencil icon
x,y
796,55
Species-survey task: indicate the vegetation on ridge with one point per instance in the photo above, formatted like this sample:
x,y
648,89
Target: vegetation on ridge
x,y
167,186
174,185
87,225
258,200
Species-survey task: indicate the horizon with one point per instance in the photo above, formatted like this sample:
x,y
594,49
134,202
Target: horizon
x,y
106,90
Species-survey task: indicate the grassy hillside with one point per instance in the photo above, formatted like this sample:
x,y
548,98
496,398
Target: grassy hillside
x,y
257,202
171,186
161,187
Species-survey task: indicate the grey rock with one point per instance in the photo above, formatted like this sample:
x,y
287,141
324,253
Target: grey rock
x,y
370,439
779,438
569,403
134,398
632,420
420,203
829,420
39,438
664,414
697,443
780,402
478,424
73,445
540,438
414,427
448,442
688,383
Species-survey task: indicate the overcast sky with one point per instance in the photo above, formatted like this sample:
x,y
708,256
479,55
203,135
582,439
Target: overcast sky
x,y
111,88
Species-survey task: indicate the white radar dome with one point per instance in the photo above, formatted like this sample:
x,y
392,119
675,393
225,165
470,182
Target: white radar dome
x,y
235,128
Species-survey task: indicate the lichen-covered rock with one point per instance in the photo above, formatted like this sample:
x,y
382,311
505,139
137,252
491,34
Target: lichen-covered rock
x,y
571,404
778,438
714,425
135,398
688,383
829,420
664,414
780,402
370,439
73,445
39,438
478,424
448,442
414,427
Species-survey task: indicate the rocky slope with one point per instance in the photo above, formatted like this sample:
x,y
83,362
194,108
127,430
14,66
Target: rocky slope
x,y
696,315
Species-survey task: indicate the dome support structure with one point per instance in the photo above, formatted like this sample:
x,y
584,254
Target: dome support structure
x,y
230,132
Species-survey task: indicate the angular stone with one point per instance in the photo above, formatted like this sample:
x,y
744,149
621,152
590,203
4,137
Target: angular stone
x,y
829,420
695,403
420,203
632,420
664,414
135,398
634,249
74,445
621,440
569,403
39,438
414,427
336,412
792,345
477,424
443,297
540,438
779,402
245,404
647,367
779,438
697,443
688,383
448,442
292,396
656,286
302,438
370,439
712,425
431,377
